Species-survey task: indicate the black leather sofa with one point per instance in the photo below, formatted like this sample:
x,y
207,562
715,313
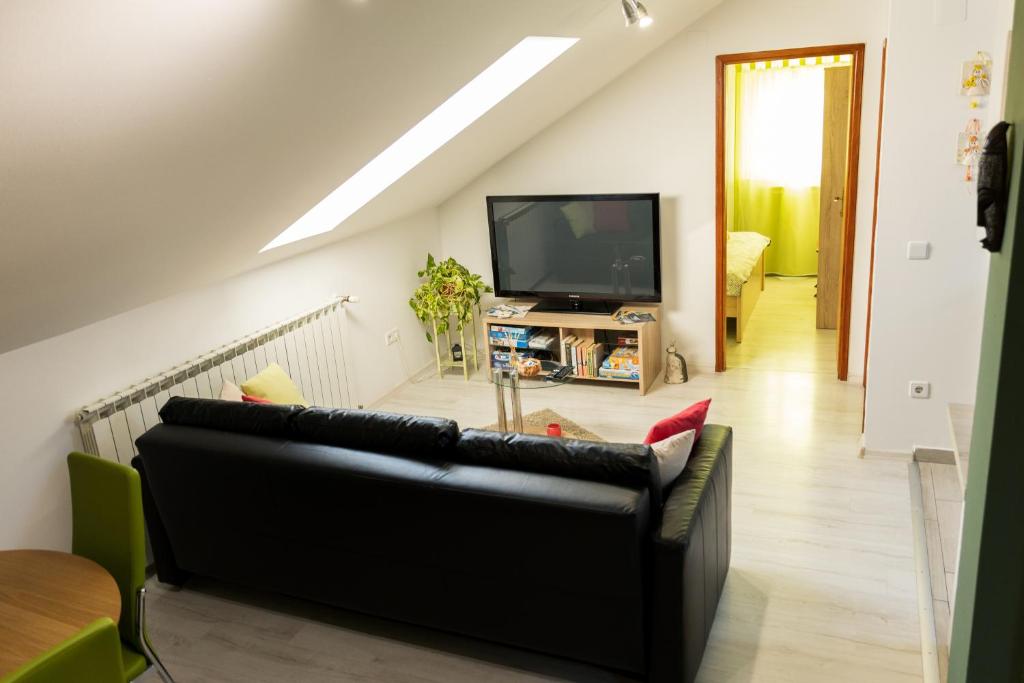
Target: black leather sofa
x,y
559,546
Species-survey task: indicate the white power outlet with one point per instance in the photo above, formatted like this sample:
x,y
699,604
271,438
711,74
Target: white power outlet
x,y
920,390
391,337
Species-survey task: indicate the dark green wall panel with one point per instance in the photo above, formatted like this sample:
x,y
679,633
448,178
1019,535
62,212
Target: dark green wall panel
x,y
988,623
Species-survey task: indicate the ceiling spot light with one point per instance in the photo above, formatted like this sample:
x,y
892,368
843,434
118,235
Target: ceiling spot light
x,y
472,101
635,13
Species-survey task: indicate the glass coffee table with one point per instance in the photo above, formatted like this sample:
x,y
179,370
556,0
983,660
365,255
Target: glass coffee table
x,y
513,380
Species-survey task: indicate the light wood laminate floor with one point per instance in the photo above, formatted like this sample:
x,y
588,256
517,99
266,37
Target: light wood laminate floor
x,y
781,333
821,589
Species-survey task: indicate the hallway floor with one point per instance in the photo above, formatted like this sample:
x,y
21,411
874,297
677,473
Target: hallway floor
x,y
781,333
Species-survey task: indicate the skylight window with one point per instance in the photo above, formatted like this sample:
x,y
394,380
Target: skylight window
x,y
491,86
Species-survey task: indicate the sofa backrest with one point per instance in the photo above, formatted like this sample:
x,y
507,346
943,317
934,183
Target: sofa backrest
x,y
550,563
365,430
621,464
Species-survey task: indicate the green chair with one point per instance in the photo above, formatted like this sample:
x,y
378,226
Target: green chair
x,y
107,528
93,655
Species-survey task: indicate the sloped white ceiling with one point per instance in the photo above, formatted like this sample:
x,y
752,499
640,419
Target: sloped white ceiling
x,y
148,147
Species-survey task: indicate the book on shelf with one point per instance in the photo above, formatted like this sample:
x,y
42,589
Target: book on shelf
x,y
501,360
566,351
517,330
596,358
502,340
510,335
612,373
628,341
622,363
578,353
522,337
544,341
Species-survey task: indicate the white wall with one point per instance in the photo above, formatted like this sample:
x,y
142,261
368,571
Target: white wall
x,y
45,383
926,316
652,130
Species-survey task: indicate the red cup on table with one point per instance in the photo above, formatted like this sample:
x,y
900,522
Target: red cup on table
x,y
554,429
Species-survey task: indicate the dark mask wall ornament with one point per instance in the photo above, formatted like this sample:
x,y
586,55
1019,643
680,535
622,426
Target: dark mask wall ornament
x,y
993,190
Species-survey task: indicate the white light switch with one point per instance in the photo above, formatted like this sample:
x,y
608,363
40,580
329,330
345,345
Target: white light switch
x,y
917,251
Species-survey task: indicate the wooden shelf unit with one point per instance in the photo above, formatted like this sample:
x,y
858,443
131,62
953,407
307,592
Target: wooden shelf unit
x,y
584,325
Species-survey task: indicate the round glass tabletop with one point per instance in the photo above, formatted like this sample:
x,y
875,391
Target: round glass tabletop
x,y
532,377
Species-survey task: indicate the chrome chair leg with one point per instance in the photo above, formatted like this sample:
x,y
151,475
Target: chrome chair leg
x,y
147,647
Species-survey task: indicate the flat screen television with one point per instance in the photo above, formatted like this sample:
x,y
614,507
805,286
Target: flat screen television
x,y
576,252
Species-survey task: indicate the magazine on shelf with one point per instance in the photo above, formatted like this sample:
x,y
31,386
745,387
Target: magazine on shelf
x,y
508,311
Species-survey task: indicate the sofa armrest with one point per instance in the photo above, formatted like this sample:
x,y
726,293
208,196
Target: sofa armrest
x,y
691,558
167,570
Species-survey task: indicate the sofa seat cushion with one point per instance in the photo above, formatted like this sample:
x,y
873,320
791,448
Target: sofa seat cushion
x,y
630,465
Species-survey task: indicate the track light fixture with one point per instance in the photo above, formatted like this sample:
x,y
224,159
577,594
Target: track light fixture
x,y
635,13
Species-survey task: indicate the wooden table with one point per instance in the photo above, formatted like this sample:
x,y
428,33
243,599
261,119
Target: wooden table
x,y
45,598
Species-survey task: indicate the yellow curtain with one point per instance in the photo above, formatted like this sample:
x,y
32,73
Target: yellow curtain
x,y
773,159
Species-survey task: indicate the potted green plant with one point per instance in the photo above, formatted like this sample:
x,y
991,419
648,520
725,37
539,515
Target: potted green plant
x,y
450,291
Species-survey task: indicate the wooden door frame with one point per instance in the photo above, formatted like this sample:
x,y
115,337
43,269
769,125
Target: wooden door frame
x,y
850,198
874,234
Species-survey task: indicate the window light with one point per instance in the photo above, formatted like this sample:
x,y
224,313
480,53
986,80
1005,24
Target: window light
x,y
489,87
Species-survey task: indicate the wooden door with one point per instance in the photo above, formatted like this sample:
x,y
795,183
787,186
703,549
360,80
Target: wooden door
x,y
833,188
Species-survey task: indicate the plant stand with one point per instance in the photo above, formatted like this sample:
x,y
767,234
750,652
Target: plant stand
x,y
448,362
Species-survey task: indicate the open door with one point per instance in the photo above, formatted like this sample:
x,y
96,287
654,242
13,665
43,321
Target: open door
x,y
834,147
843,141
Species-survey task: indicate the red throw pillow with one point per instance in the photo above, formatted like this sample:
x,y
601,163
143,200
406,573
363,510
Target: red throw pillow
x,y
611,216
691,418
255,399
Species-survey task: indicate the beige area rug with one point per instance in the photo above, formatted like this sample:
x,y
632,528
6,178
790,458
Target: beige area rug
x,y
537,423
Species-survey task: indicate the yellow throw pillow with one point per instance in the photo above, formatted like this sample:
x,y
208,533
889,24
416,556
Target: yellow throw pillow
x,y
275,385
581,218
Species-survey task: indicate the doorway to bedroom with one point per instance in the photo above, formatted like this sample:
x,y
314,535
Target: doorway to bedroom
x,y
787,143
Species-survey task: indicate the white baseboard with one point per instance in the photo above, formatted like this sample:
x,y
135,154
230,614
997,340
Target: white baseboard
x,y
890,456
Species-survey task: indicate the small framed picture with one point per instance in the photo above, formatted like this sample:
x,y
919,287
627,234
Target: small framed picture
x,y
976,77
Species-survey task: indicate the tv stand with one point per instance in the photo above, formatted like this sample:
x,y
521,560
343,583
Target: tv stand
x,y
588,326
576,306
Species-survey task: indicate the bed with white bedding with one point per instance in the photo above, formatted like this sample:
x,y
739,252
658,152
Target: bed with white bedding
x,y
744,276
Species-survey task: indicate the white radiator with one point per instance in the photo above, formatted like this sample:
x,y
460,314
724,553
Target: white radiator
x,y
309,347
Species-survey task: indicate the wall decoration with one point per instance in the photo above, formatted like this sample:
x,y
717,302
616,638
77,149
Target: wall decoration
x,y
976,76
968,147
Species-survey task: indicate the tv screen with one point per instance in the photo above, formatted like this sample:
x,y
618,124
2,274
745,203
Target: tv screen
x,y
595,247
